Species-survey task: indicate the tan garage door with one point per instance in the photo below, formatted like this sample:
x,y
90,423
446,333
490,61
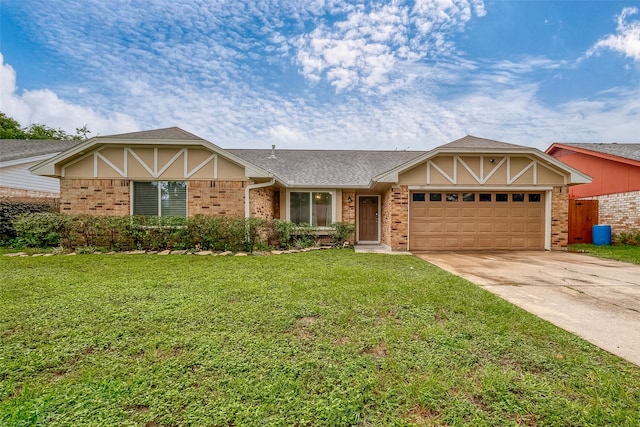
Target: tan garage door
x,y
451,220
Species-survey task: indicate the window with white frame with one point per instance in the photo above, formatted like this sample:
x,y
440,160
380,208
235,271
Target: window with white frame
x,y
160,198
311,207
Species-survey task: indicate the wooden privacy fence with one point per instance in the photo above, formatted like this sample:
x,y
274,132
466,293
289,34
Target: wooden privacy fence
x,y
583,215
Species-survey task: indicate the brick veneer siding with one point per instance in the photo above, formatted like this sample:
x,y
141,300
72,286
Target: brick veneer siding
x,y
216,198
349,207
262,203
395,217
349,211
19,193
620,210
559,217
95,196
113,197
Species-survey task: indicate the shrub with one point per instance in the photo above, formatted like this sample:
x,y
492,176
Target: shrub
x,y
87,233
10,211
41,230
631,238
305,235
280,232
341,233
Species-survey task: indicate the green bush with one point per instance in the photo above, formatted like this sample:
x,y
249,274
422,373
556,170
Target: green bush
x,y
280,232
118,233
41,230
342,232
10,211
305,235
629,238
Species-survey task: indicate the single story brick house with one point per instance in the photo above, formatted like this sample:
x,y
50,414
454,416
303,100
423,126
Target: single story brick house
x,y
615,169
470,194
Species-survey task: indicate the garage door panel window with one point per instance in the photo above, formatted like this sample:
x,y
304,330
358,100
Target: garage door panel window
x,y
419,197
502,197
435,197
452,197
534,197
468,197
485,197
160,198
517,197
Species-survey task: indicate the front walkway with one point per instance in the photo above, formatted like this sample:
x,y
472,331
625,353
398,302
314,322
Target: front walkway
x,y
596,299
377,249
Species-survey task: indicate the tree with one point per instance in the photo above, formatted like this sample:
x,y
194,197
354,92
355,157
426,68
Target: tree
x,y
11,129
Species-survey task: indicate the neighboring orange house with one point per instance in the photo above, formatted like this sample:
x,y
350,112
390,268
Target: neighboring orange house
x,y
615,169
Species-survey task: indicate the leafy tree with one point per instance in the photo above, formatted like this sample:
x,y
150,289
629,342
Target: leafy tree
x,y
11,129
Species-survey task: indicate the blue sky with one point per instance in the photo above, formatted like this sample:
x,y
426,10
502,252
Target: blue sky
x,y
327,73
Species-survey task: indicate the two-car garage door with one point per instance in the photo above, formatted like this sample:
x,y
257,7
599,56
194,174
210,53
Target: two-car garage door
x,y
457,220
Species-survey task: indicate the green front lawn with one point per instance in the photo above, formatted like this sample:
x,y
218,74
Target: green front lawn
x,y
624,253
327,338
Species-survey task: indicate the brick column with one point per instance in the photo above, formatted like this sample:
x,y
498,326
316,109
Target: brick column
x,y
559,217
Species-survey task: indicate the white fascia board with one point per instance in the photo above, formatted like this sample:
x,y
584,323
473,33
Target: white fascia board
x,y
48,167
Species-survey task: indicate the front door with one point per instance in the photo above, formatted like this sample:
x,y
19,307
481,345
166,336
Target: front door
x,y
368,219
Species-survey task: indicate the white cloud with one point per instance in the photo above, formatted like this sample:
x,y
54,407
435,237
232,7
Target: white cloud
x,y
362,50
627,38
45,107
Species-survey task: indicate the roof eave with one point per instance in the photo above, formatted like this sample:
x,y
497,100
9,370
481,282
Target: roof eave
x,y
558,145
48,167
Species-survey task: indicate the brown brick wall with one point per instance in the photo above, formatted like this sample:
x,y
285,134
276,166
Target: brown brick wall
x,y
349,211
216,198
19,193
349,207
95,196
395,217
620,210
112,197
262,203
559,217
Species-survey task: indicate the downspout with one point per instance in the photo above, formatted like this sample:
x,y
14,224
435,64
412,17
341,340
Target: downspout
x,y
247,205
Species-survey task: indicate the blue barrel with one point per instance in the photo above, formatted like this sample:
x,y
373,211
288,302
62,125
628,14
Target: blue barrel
x,y
601,235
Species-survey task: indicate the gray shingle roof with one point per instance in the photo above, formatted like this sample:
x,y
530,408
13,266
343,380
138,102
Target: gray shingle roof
x,y
471,141
627,151
13,149
165,133
326,168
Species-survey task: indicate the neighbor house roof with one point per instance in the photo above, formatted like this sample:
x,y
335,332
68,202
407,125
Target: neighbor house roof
x,y
17,150
623,151
328,168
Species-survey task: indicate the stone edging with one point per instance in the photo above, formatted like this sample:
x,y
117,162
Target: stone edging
x,y
178,252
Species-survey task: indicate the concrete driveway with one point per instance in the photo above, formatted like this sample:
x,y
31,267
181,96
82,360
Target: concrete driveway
x,y
596,299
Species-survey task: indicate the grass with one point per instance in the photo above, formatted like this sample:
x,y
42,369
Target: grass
x,y
328,338
624,253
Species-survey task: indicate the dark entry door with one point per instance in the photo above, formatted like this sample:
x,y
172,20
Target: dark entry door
x,y
368,219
